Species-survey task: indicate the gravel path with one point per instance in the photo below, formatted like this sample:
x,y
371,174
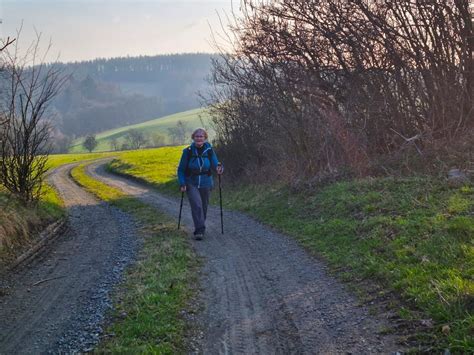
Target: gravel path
x,y
263,294
64,313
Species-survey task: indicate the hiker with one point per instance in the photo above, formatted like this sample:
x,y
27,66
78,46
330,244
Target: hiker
x,y
195,177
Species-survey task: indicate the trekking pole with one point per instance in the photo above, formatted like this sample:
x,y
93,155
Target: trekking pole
x,y
180,209
220,199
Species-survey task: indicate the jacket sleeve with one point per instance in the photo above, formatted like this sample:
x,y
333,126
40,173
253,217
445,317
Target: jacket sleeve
x,y
182,168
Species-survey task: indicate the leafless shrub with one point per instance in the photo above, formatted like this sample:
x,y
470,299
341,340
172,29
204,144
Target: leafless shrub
x,y
319,86
28,85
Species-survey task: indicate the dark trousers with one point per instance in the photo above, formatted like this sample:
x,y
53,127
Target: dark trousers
x,y
199,200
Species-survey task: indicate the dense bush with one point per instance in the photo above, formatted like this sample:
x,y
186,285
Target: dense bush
x,y
322,87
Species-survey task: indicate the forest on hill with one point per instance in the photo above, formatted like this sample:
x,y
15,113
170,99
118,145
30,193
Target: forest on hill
x,y
103,94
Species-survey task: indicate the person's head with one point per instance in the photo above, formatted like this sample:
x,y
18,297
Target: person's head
x,y
199,136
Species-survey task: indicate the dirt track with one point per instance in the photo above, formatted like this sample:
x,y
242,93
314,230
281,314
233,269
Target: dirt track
x,y
263,294
63,314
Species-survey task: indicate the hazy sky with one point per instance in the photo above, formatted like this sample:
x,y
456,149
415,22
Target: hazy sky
x,y
87,29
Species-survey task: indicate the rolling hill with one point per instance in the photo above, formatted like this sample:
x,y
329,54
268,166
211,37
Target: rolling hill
x,y
156,131
103,94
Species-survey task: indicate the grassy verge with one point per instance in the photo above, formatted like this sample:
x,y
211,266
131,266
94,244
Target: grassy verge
x,y
20,225
412,236
156,167
148,313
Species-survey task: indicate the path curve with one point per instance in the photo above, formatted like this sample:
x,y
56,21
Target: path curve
x,y
64,313
262,293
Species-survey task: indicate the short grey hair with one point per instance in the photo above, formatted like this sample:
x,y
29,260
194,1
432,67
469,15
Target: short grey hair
x,y
199,130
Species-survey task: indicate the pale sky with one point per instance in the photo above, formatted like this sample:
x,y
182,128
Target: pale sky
x,y
88,29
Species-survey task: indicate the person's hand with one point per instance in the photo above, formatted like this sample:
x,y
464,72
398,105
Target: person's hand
x,y
182,188
220,169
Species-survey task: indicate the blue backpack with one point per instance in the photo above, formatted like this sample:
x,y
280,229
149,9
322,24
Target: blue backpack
x,y
191,154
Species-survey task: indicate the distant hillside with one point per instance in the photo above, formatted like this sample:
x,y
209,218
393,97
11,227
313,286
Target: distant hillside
x,y
157,132
175,77
104,94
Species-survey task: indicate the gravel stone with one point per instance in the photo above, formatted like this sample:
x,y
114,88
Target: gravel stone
x,y
262,293
65,314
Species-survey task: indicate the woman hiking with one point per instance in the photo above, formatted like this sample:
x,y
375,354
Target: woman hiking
x,y
195,177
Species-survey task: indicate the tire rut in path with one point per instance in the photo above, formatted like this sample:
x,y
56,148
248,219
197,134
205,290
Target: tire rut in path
x,y
64,314
262,293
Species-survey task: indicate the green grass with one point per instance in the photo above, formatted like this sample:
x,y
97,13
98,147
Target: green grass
x,y
50,205
20,225
155,166
147,316
412,236
193,119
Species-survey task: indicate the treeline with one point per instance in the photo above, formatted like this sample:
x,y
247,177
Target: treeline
x,y
317,88
103,94
174,79
89,105
142,138
166,68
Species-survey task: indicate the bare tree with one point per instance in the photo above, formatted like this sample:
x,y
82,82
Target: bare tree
x,y
135,138
114,144
28,86
4,44
178,132
158,139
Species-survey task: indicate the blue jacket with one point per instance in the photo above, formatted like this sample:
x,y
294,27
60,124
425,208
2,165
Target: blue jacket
x,y
197,166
